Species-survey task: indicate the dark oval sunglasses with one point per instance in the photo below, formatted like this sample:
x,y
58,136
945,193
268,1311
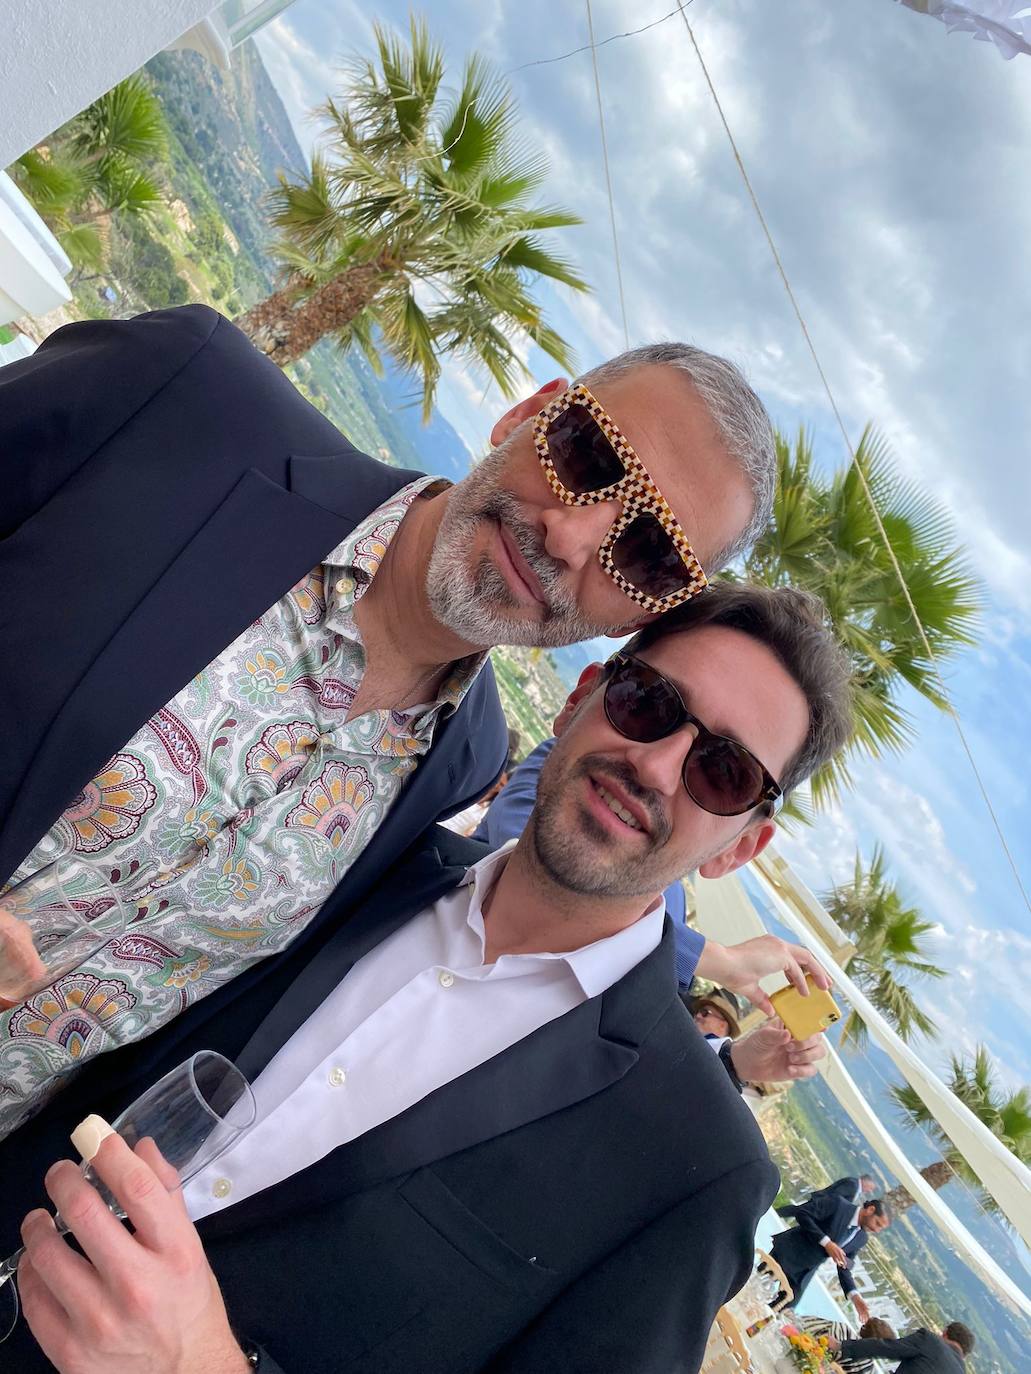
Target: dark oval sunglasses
x,y
720,775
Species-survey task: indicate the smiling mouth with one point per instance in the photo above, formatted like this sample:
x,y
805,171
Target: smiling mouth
x,y
616,806
515,569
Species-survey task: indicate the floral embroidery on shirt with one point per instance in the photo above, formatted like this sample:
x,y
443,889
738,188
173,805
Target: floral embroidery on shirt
x,y
227,819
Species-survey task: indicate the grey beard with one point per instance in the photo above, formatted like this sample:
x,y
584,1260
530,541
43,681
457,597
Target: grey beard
x,y
475,602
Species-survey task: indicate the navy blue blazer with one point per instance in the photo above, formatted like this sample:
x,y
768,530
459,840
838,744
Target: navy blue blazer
x,y
799,1252
921,1352
585,1201
163,485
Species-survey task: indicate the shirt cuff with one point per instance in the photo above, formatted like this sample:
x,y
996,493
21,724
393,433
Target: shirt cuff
x,y
823,1240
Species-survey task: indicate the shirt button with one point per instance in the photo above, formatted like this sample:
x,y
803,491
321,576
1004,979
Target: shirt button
x,y
344,585
221,1187
337,1078
445,978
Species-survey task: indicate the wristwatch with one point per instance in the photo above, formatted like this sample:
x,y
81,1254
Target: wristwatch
x,y
728,1064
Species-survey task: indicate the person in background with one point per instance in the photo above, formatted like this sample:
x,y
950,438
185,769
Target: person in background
x,y
829,1226
852,1189
717,1014
875,1329
921,1352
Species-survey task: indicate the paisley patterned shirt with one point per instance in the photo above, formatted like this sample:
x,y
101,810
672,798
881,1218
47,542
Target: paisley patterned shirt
x,y
227,819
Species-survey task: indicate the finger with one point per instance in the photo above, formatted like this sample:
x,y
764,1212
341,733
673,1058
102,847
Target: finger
x,y
144,1197
71,1280
166,1173
794,972
46,1318
808,959
102,1236
755,994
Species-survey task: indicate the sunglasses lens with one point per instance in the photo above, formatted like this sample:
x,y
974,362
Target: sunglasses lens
x,y
583,458
641,704
648,559
722,777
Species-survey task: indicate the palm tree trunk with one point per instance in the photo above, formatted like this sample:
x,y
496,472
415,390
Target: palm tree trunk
x,y
936,1174
284,326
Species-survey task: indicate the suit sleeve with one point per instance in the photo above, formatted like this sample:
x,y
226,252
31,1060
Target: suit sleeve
x,y
900,1349
83,383
815,1214
846,1279
648,1307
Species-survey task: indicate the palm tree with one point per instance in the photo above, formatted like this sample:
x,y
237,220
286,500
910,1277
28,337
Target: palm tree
x,y
97,166
888,936
1007,1115
823,537
416,228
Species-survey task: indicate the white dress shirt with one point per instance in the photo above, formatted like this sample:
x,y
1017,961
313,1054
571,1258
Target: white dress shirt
x,y
416,1012
852,1232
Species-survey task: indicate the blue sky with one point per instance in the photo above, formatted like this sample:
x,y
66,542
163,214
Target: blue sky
x,y
891,162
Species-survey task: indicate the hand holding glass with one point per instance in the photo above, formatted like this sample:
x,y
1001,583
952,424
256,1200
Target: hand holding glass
x,y
192,1115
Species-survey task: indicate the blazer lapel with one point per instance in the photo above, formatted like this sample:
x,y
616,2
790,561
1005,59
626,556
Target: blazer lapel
x,y
256,544
563,1062
415,883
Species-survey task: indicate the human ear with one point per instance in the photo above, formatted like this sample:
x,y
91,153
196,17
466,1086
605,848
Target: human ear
x,y
747,846
525,410
589,679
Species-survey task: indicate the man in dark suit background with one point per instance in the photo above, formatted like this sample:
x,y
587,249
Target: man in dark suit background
x,y
472,1150
853,1188
921,1352
265,673
829,1226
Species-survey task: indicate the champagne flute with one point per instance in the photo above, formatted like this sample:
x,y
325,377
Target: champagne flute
x,y
193,1115
52,921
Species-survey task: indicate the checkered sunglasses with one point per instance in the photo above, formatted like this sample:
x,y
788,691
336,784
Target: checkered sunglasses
x,y
586,460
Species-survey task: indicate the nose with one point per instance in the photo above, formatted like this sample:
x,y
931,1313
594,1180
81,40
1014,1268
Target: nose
x,y
659,765
574,534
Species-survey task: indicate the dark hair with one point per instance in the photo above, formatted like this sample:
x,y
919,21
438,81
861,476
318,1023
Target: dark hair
x,y
878,1206
793,624
961,1335
876,1329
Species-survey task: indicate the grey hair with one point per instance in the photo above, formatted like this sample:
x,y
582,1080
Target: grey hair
x,y
738,414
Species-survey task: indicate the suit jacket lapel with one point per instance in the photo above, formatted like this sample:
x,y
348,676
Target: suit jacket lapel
x,y
252,548
565,1061
413,884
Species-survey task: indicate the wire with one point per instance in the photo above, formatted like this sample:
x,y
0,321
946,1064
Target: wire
x,y
608,178
858,467
545,61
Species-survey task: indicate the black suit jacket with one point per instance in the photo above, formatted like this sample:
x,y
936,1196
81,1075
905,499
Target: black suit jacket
x,y
799,1252
163,484
846,1188
921,1352
584,1201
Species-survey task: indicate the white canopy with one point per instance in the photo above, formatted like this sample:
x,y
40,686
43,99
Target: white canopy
x,y
726,912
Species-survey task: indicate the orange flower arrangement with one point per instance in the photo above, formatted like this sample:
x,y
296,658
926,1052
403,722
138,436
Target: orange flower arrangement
x,y
810,1353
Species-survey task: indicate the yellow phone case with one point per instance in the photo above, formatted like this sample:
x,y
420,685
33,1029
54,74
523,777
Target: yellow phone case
x,y
805,1016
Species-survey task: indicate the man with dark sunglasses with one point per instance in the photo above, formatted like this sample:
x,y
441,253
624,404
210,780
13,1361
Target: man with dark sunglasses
x,y
268,673
489,1137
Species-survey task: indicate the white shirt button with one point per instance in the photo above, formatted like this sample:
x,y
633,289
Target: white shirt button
x,y
221,1187
337,1077
345,585
445,977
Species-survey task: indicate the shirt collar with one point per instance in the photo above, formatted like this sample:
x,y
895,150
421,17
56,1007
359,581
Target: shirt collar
x,y
596,966
349,570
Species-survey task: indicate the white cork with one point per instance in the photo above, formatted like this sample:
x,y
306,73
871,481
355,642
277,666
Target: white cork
x,y
89,1135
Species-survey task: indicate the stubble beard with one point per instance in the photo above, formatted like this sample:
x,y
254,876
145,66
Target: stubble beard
x,y
474,600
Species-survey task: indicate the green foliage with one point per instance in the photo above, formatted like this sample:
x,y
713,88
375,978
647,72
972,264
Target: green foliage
x,y
435,190
824,537
1006,1114
889,937
147,264
102,164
